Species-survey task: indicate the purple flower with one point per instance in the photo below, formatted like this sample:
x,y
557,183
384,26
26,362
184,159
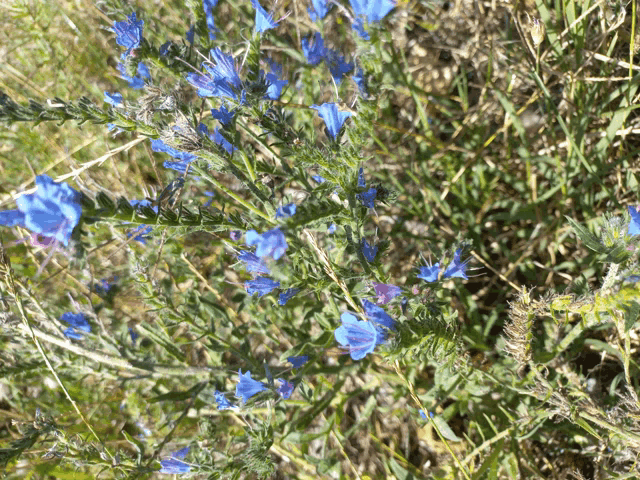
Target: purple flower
x,y
386,292
261,286
208,6
129,33
223,115
286,211
223,403
286,389
253,263
270,244
333,118
78,324
235,235
318,10
248,387
52,211
368,197
264,20
114,99
174,464
634,224
286,296
359,336
369,251
299,361
430,273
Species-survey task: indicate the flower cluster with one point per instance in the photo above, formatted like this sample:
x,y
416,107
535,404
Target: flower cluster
x,y
456,269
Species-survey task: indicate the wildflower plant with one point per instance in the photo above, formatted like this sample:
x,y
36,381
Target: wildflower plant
x,y
249,169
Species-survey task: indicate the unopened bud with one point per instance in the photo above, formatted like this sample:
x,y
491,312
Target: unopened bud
x,y
537,31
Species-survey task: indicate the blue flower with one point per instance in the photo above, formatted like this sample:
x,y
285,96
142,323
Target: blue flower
x,y
191,33
270,244
368,197
333,118
78,324
369,251
174,465
318,178
134,336
337,64
318,10
424,415
381,319
264,20
253,263
430,273
360,336
286,211
299,361
223,403
224,74
361,181
386,292
164,48
286,296
223,115
140,233
114,99
208,6
457,268
274,86
261,286
52,211
361,81
634,224
248,387
286,389
219,139
184,158
373,11
332,229
314,51
136,82
222,79
129,33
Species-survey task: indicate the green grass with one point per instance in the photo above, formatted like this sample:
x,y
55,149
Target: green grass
x,y
528,365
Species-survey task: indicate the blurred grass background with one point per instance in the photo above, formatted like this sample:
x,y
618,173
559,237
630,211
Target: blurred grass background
x,y
480,135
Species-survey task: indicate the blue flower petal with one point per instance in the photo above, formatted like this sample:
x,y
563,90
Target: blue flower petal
x,y
333,118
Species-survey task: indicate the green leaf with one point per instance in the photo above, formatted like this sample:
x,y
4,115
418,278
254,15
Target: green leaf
x,y
586,236
445,430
